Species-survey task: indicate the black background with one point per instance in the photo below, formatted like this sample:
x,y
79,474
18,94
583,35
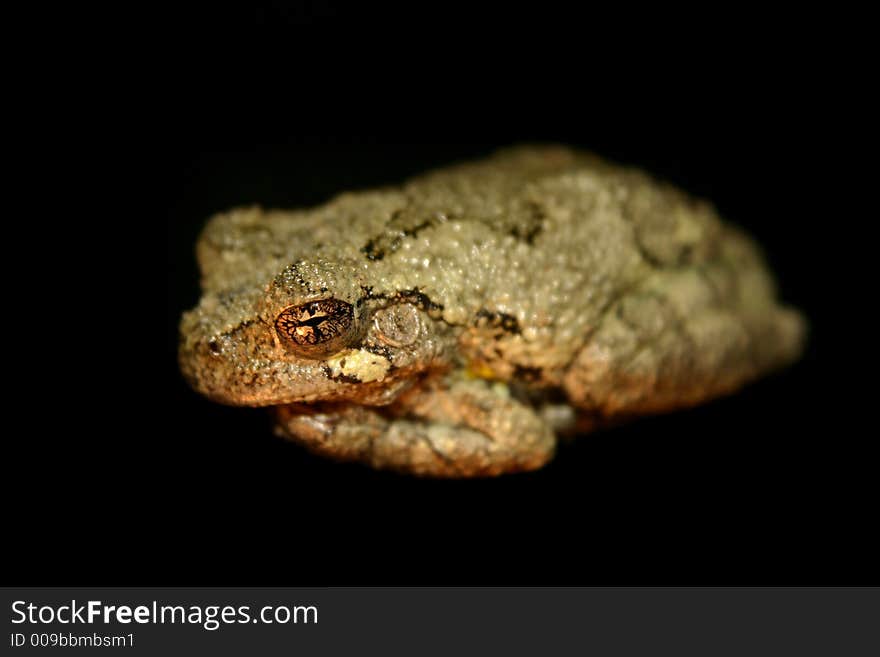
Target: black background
x,y
288,106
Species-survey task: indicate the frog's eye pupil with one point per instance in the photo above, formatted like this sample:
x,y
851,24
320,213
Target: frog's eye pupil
x,y
315,322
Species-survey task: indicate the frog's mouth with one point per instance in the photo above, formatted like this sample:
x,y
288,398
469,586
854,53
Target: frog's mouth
x,y
273,384
224,372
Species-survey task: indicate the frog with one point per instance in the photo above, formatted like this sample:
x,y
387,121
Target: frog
x,y
467,321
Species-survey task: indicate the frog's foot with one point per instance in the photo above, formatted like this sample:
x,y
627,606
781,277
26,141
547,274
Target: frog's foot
x,y
462,429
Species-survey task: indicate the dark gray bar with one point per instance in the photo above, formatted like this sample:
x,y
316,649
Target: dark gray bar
x,y
415,621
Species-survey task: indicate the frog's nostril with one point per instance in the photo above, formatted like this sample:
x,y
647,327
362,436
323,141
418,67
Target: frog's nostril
x,y
214,347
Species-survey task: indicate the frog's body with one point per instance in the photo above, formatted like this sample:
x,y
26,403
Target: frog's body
x,y
470,315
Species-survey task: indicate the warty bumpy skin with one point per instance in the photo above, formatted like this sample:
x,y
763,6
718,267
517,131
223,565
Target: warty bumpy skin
x,y
456,325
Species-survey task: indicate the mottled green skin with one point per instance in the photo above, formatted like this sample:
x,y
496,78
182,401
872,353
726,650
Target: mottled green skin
x,y
528,285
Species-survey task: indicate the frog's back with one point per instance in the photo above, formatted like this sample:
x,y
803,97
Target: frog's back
x,y
626,292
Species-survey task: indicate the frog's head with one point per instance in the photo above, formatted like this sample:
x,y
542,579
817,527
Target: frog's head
x,y
315,331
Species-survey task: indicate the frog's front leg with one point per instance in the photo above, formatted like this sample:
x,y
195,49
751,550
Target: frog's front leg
x,y
452,428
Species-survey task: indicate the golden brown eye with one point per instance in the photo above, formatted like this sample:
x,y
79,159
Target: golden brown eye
x,y
321,324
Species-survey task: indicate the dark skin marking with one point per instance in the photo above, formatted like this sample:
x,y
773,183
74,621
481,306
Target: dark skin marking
x,y
395,232
379,350
419,298
345,378
341,378
505,322
372,251
529,229
527,374
413,296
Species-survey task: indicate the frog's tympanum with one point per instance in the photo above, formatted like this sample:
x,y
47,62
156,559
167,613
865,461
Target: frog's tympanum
x,y
457,325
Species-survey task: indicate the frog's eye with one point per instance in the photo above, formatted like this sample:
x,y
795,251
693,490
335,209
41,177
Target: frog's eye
x,y
316,327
